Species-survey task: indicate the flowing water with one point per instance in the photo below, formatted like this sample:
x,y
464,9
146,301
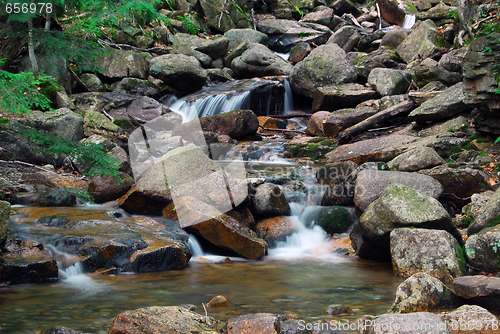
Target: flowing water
x,y
301,275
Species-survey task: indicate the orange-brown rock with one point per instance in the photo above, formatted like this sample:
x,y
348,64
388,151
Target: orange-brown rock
x,y
260,323
391,12
271,123
299,52
220,229
218,301
275,229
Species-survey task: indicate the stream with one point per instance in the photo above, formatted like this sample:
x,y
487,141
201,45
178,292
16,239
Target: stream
x,y
301,275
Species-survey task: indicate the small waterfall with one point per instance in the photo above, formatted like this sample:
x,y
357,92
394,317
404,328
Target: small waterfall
x,y
210,105
288,96
195,247
409,21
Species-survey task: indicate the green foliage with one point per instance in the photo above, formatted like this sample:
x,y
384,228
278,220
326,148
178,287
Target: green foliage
x,y
301,13
494,222
20,92
88,154
191,27
482,140
467,220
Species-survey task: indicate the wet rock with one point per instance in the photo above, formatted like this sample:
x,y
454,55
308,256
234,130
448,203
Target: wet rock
x,y
4,222
243,216
260,323
483,249
388,81
139,87
56,196
163,319
421,43
377,149
479,289
340,96
397,206
342,119
299,52
409,323
259,61
218,301
446,104
27,262
441,257
480,320
416,159
221,230
93,83
61,330
340,191
181,72
423,293
287,33
220,75
454,124
109,187
332,219
121,64
371,183
460,182
325,66
236,124
269,200
487,216
275,229
338,309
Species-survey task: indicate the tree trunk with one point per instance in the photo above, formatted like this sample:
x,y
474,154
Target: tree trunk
x,y
375,120
31,48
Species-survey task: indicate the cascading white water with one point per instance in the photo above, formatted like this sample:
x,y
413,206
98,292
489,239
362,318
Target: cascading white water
x,y
288,96
409,21
209,105
195,247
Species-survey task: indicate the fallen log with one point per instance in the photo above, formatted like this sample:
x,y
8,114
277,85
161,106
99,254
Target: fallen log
x,y
376,120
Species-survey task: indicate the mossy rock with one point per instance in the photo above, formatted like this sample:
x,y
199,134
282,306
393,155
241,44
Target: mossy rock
x,y
334,219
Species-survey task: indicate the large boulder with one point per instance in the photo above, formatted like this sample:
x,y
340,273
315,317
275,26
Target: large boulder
x,y
236,124
488,215
421,43
442,257
179,71
117,65
219,229
408,323
143,109
371,183
483,249
269,200
344,118
398,206
287,33
259,61
163,319
4,222
416,159
376,149
462,182
479,289
62,123
325,66
133,86
423,293
446,104
387,81
340,96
